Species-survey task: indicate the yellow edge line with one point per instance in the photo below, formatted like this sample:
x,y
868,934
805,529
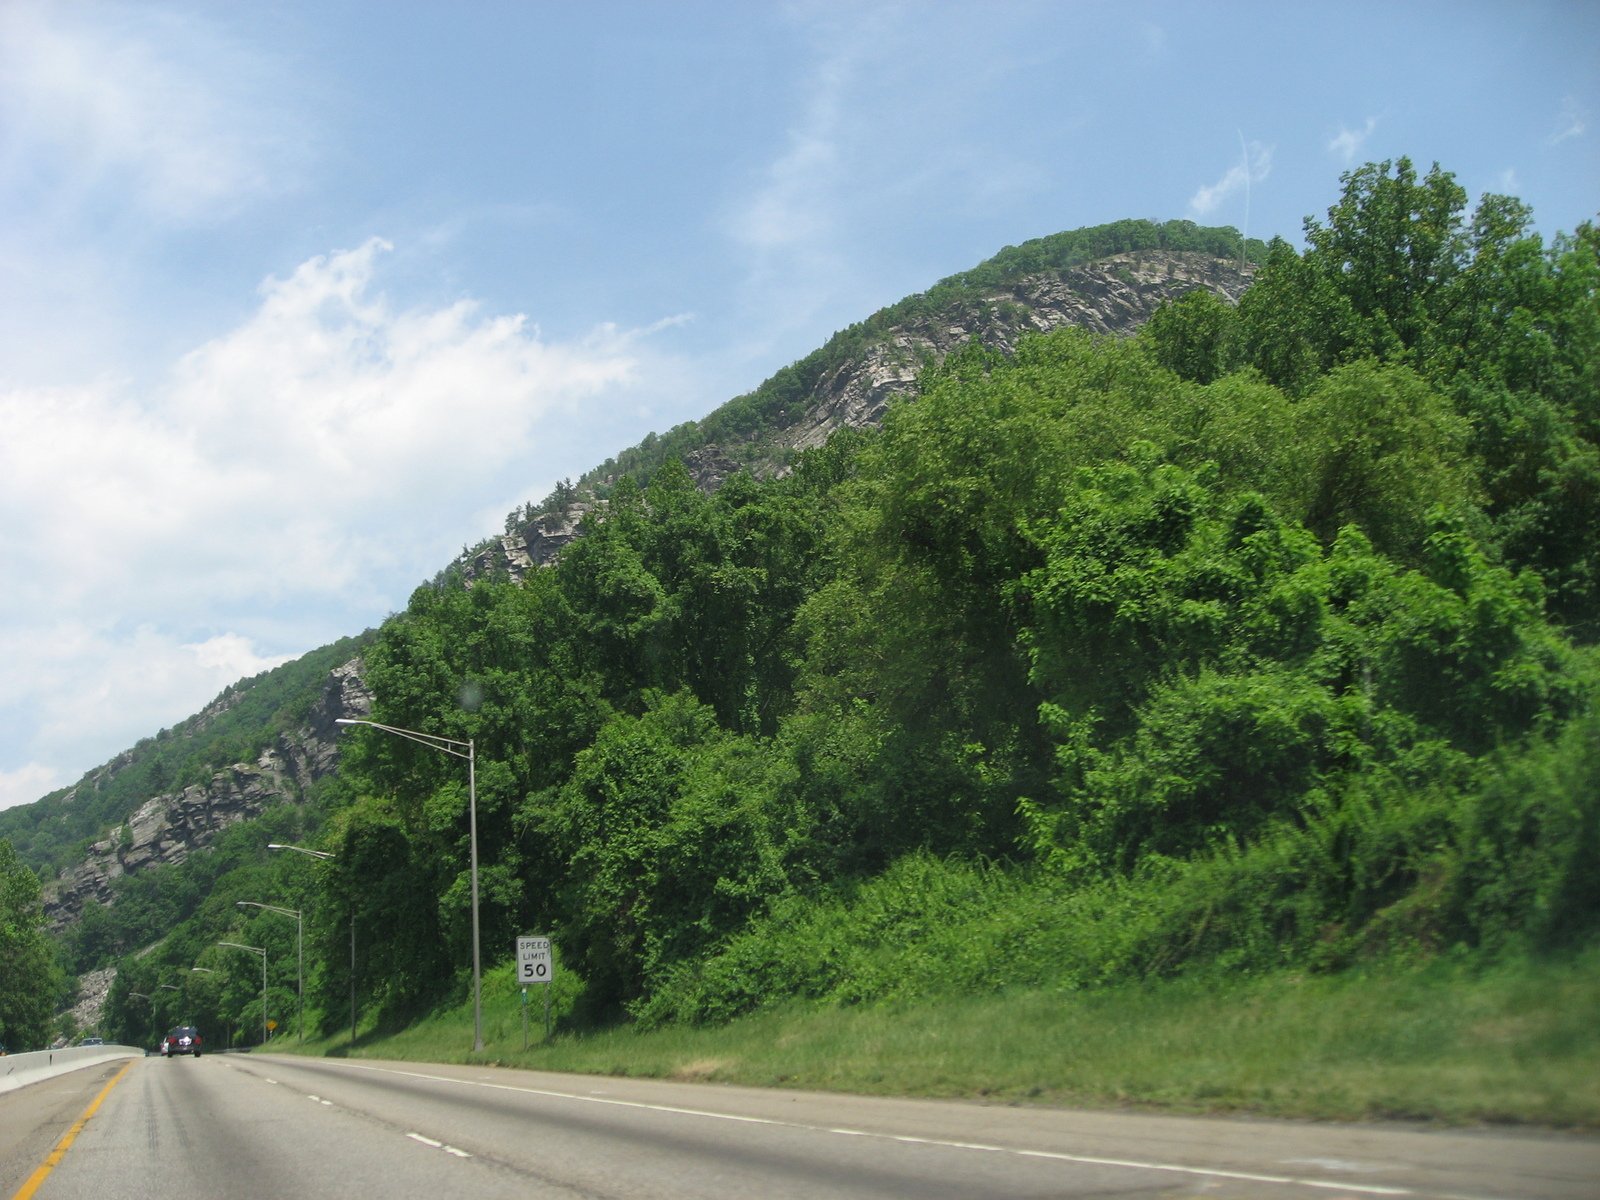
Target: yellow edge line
x,y
65,1144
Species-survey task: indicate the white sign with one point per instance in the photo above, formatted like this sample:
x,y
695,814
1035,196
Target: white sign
x,y
534,964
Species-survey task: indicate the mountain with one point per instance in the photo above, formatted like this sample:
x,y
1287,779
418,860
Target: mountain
x,y
170,826
850,382
263,741
268,742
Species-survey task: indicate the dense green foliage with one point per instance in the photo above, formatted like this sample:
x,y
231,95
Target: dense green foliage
x,y
245,719
30,984
1264,639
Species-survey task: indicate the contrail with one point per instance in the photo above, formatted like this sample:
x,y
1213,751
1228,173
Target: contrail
x,y
1244,238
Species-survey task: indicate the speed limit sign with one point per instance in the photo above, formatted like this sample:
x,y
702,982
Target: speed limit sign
x,y
534,964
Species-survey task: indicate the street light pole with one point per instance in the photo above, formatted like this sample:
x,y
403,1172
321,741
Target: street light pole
x,y
458,749
151,1003
300,951
324,856
227,1025
261,950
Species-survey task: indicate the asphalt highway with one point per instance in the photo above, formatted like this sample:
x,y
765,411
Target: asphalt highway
x,y
266,1126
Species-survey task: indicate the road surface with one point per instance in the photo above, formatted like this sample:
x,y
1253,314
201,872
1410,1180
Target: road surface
x,y
266,1125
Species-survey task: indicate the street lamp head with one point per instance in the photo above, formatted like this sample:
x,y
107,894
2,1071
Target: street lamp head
x,y
272,908
302,850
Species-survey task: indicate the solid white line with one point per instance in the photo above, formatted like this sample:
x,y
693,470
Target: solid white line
x,y
1084,1159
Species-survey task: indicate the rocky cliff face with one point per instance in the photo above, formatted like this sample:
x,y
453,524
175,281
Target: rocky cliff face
x,y
1112,296
168,828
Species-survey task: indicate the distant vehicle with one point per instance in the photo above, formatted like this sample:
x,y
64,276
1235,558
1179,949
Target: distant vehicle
x,y
183,1039
94,1041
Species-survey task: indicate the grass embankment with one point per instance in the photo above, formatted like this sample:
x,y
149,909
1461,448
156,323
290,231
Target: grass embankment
x,y
1446,1041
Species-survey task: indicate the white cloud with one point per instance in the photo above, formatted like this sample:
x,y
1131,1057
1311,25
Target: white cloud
x,y
330,408
233,657
1255,167
78,681
27,784
1572,122
316,461
1347,143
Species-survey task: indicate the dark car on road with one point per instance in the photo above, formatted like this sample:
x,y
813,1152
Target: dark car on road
x,y
183,1039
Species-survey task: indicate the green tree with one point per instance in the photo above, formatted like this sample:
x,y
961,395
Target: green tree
x,y
1208,667
1383,446
1193,336
32,980
665,852
1390,244
380,882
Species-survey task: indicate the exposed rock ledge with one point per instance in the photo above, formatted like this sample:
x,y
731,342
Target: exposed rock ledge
x,y
1112,296
167,828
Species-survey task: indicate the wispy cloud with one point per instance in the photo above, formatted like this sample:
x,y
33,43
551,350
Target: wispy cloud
x,y
788,215
140,104
1571,122
1154,39
1347,143
1255,166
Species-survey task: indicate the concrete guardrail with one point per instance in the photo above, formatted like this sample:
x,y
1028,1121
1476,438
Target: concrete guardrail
x,y
19,1070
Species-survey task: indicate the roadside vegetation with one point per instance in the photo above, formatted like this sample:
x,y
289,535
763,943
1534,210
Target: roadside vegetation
x,y
1444,1041
1214,682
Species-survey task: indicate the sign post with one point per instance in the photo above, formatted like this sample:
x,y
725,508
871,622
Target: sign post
x,y
534,965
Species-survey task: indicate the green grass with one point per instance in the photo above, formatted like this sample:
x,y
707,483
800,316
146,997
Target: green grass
x,y
1446,1041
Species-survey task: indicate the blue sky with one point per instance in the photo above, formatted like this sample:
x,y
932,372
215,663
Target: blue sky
x,y
300,298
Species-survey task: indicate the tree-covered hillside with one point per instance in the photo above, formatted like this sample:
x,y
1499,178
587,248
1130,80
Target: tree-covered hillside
x,y
1289,608
745,426
1266,637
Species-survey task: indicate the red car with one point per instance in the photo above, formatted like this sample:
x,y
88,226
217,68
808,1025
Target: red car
x,y
184,1039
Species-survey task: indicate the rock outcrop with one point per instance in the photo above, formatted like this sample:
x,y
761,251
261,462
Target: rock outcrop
x,y
90,1003
167,828
1112,296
